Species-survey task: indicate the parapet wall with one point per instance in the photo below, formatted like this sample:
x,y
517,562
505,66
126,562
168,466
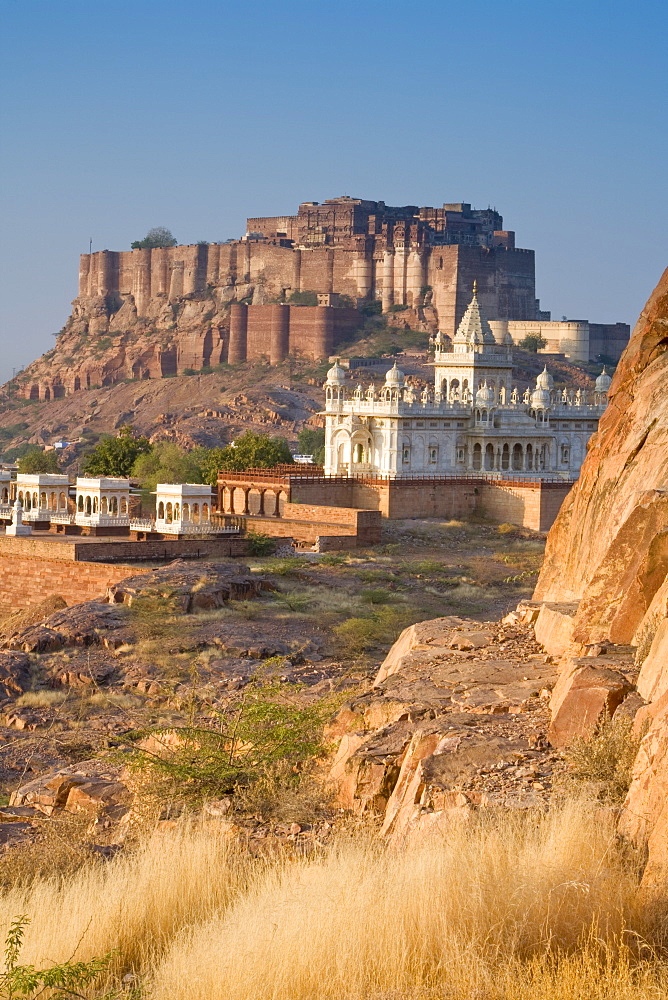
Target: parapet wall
x,y
33,568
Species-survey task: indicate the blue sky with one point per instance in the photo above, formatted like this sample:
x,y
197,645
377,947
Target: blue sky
x,y
119,116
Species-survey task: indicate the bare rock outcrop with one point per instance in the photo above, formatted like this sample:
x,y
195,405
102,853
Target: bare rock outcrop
x,y
608,548
456,721
608,551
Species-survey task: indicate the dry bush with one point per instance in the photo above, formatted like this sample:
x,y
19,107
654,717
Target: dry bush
x,y
604,761
285,795
61,848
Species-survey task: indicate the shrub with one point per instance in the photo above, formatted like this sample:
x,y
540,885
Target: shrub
x,y
360,635
604,761
65,980
250,737
260,544
376,596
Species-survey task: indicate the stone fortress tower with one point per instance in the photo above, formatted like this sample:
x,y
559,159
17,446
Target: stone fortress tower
x,y
167,311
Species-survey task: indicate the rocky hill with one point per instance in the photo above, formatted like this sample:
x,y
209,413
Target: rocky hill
x,y
211,408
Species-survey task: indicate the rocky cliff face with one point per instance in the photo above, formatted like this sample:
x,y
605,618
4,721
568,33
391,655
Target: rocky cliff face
x,y
605,577
607,548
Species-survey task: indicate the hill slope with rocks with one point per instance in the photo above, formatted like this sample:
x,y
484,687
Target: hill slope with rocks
x,y
212,408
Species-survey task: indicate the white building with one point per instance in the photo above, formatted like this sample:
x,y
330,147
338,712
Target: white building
x,y
183,509
102,502
42,495
472,420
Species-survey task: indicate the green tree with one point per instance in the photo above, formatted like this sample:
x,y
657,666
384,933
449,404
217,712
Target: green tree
x,y
116,456
312,442
159,236
167,463
255,451
209,461
532,342
35,460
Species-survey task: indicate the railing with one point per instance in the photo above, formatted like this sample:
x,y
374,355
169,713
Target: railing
x,y
63,518
102,520
5,510
39,514
230,526
142,524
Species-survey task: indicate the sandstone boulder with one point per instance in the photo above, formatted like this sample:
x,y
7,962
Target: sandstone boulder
x,y
85,624
189,587
644,818
14,674
428,635
70,790
608,547
583,695
554,626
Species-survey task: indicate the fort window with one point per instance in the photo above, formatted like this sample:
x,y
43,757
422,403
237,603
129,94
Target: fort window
x,y
477,456
433,455
518,457
124,505
565,453
80,505
489,457
168,513
62,502
161,511
88,507
407,455
505,457
104,506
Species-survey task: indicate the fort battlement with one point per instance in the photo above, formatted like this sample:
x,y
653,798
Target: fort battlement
x,y
153,313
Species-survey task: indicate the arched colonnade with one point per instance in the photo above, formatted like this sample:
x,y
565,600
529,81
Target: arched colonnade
x,y
265,501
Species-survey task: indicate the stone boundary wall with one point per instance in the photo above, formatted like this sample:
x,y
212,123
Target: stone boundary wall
x,y
26,580
31,569
334,527
531,505
122,550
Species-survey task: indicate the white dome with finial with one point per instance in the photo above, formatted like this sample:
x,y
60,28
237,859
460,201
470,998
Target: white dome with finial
x,y
336,375
603,382
545,380
485,395
395,377
540,399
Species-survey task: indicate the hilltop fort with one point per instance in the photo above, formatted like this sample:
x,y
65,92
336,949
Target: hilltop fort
x,y
301,285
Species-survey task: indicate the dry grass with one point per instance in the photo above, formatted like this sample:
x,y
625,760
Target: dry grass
x,y
508,907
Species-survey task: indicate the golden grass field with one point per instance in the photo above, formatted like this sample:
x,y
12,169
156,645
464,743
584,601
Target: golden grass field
x,y
505,907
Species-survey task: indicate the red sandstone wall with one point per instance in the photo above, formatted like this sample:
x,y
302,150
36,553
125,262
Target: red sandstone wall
x,y
25,580
533,506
